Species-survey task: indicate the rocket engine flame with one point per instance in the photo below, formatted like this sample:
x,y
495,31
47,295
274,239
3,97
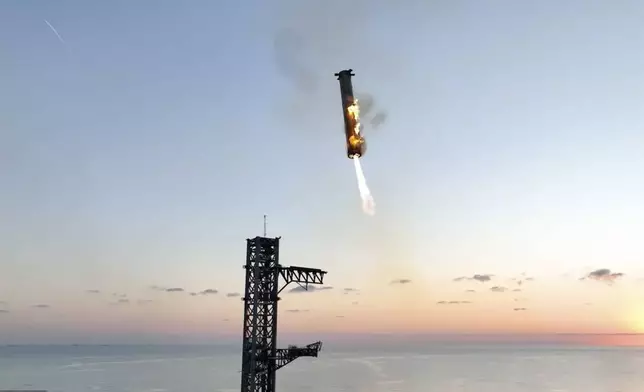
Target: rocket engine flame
x,y
368,204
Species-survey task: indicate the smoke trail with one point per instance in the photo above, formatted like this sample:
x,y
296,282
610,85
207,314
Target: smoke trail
x,y
312,37
368,204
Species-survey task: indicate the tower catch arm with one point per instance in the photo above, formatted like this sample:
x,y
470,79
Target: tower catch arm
x,y
284,356
302,276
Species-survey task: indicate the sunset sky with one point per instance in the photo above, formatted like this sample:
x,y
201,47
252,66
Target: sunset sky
x,y
142,142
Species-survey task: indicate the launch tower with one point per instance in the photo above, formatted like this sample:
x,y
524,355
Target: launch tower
x,y
260,356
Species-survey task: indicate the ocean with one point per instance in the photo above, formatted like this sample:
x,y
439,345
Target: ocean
x,y
426,368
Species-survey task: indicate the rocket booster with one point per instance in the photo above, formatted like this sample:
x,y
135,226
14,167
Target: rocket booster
x,y
356,144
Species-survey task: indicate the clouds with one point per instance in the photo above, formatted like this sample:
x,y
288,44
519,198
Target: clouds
x,y
41,306
481,292
477,277
297,310
204,292
603,275
167,289
122,299
453,302
522,279
4,311
302,289
182,290
400,281
310,289
484,278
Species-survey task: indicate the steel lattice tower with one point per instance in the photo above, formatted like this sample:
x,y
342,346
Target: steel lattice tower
x,y
260,356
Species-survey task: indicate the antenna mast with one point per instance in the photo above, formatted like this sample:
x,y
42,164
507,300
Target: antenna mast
x,y
264,225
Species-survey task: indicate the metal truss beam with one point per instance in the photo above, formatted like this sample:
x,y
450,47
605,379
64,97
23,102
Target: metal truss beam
x,y
302,276
288,355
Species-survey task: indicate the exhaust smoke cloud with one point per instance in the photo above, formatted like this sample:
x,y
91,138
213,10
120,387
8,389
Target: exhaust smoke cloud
x,y
310,35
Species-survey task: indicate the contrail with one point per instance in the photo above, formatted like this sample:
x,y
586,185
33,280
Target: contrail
x,y
55,32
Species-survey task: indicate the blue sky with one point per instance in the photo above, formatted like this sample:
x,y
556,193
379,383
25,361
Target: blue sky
x,y
147,146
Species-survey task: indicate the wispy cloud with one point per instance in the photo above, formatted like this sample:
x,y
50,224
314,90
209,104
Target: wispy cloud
x,y
603,275
519,309
167,289
498,289
354,303
208,292
400,281
453,302
477,277
298,310
93,291
522,279
4,311
348,290
41,306
231,295
311,289
144,301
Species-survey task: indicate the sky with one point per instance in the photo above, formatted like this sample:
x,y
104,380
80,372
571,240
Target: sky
x,y
142,142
